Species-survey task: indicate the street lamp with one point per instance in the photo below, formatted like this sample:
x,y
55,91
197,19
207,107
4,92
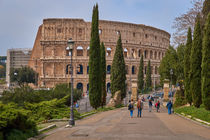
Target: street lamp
x,y
171,73
70,46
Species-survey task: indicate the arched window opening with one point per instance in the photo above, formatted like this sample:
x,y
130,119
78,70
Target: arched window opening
x,y
68,52
159,55
79,51
133,53
68,69
99,31
139,53
79,69
145,54
108,69
151,54
108,51
155,55
133,70
87,69
80,86
108,88
125,53
126,69
88,50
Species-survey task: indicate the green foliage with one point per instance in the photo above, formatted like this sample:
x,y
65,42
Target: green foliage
x,y
200,113
187,52
23,75
94,63
168,62
179,71
141,75
27,94
118,73
180,98
148,76
15,122
206,10
195,65
206,65
103,75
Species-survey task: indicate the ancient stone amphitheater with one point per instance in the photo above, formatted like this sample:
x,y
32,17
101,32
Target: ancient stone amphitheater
x,y
50,58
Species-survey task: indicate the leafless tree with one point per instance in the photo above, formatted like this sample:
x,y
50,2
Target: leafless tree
x,y
184,21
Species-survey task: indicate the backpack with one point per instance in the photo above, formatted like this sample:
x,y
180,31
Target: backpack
x,y
130,106
139,104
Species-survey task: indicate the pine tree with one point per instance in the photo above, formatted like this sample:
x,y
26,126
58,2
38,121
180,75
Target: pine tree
x,y
141,75
187,51
206,65
148,76
195,65
94,62
118,73
103,75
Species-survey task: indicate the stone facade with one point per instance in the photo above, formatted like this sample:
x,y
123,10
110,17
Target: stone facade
x,y
49,57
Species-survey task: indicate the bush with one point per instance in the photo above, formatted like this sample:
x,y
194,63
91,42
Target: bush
x,y
180,99
15,123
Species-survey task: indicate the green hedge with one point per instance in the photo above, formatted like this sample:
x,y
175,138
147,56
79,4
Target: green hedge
x,y
200,113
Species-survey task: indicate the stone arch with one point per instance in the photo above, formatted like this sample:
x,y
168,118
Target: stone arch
x,y
80,86
133,70
108,51
108,69
88,48
155,55
139,53
151,54
68,69
108,87
145,54
125,52
79,51
68,52
80,69
133,53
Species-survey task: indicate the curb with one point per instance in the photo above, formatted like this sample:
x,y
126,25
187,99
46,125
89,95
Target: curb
x,y
47,128
195,120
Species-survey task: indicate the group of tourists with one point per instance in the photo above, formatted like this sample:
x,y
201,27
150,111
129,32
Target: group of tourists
x,y
140,106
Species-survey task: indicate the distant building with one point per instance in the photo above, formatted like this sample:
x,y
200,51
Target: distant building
x,y
3,59
16,58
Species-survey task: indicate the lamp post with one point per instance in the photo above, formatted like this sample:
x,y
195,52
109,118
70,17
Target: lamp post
x,y
70,45
171,73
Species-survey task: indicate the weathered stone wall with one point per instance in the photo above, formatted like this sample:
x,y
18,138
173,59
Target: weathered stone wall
x,y
49,57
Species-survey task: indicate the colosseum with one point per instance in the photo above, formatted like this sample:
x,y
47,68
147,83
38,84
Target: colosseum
x,y
50,58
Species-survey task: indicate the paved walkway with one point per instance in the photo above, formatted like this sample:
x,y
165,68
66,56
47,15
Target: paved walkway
x,y
117,125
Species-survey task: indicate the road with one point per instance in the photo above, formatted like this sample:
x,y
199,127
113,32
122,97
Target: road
x,y
117,125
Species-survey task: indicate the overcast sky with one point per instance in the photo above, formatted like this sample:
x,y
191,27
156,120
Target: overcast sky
x,y
20,19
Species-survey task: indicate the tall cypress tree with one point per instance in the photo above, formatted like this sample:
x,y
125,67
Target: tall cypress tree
x,y
103,75
148,76
195,64
141,75
187,51
206,65
118,73
94,62
206,9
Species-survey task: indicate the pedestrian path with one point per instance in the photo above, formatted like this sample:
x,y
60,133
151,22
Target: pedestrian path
x,y
117,125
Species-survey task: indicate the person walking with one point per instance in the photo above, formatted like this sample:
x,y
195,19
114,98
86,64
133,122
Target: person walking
x,y
150,104
139,107
169,106
131,107
157,105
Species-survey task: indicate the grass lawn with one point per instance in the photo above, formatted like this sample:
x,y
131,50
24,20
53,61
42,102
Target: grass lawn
x,y
200,113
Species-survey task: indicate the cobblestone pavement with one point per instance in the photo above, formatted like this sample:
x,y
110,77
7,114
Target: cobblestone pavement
x,y
117,125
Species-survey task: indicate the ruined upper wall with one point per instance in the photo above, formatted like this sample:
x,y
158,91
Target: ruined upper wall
x,y
79,30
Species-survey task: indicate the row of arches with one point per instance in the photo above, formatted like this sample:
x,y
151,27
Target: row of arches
x,y
79,70
80,87
134,53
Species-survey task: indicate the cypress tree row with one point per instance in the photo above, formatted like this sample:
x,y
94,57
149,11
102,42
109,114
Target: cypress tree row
x,y
94,63
187,51
195,64
118,73
103,75
206,9
148,76
141,75
206,65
